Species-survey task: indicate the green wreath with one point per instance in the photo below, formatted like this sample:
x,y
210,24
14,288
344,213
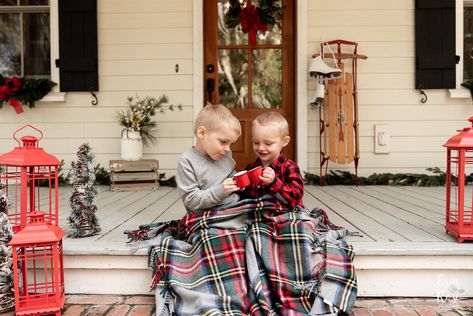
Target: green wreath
x,y
269,11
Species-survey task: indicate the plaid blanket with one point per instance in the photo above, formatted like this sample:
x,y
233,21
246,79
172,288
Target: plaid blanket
x,y
255,258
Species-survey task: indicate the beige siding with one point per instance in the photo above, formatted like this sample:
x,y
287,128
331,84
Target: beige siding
x,y
385,33
140,42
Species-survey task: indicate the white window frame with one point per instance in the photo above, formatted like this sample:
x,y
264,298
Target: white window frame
x,y
55,95
459,91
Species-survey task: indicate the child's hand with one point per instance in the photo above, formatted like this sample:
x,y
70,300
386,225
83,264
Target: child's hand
x,y
229,186
268,176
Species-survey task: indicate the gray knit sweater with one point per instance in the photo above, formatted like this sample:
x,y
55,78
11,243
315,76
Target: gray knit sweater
x,y
200,180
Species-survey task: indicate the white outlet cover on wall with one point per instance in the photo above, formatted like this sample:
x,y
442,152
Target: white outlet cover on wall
x,y
382,139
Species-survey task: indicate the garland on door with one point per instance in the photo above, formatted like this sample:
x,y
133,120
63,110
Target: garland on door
x,y
252,18
23,91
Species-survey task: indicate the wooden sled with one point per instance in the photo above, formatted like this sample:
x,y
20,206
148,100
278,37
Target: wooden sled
x,y
340,120
339,134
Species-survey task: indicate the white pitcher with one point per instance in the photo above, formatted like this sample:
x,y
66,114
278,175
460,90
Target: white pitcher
x,y
132,145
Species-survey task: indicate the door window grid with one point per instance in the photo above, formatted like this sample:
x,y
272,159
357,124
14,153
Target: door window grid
x,y
239,82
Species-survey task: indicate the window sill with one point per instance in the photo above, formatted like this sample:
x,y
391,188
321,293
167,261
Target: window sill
x,y
459,93
54,97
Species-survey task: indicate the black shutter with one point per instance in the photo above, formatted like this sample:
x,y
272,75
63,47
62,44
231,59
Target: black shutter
x,y
78,52
435,44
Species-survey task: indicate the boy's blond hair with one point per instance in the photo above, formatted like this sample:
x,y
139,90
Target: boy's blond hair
x,y
216,116
275,119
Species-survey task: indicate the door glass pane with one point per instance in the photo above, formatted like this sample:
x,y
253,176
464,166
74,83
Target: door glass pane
x,y
272,36
228,35
230,31
36,44
266,88
10,39
233,77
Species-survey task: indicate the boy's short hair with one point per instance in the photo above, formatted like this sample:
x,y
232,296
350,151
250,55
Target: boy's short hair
x,y
273,118
215,116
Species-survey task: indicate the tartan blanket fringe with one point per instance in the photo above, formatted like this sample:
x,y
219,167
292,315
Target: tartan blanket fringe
x,y
255,258
167,308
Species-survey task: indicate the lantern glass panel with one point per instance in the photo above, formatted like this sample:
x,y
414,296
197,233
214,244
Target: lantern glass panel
x,y
38,191
40,276
459,208
11,177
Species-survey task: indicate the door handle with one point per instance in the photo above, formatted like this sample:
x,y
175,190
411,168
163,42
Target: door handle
x,y
210,89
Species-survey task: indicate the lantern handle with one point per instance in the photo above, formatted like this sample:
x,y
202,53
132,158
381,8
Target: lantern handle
x,y
36,129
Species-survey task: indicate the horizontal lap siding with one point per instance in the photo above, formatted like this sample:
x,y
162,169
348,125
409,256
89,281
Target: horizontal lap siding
x,y
385,33
139,46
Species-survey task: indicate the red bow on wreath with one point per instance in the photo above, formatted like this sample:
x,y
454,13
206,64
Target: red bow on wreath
x,y
250,18
10,86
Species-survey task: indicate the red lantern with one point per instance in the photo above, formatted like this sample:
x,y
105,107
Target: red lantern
x,y
459,219
25,169
38,271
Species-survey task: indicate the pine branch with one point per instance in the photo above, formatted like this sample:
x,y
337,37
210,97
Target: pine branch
x,y
26,90
338,177
138,116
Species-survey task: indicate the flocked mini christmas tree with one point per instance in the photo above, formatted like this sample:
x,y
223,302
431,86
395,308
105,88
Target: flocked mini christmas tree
x,y
7,297
83,220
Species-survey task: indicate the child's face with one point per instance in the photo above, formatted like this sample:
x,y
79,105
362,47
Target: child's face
x,y
216,143
268,142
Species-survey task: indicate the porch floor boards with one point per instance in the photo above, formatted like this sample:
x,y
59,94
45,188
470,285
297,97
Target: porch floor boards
x,y
401,220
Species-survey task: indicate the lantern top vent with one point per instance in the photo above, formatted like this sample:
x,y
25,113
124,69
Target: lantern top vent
x,y
28,153
29,141
464,139
37,231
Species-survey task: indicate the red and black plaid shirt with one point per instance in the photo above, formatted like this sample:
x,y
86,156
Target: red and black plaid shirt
x,y
288,183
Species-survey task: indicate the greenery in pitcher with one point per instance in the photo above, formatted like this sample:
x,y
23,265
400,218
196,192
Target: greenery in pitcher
x,y
138,116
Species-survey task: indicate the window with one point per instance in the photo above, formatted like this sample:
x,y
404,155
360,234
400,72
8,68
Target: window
x,y
467,56
25,44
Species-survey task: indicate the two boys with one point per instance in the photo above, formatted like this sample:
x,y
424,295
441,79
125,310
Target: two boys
x,y
205,170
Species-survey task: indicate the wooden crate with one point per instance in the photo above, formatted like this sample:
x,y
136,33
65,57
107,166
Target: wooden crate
x,y
127,175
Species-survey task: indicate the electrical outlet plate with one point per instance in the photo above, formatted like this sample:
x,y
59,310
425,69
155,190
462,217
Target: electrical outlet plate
x,y
382,139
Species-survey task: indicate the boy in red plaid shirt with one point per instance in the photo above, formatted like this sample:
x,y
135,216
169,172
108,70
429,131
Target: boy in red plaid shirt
x,y
281,176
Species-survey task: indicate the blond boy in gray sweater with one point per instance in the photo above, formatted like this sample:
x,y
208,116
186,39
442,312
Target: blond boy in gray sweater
x,y
204,172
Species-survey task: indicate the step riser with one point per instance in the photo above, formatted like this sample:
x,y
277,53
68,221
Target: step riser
x,y
375,283
112,281
404,276
415,283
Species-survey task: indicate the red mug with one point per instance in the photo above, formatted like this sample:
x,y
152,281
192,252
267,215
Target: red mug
x,y
255,173
242,179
